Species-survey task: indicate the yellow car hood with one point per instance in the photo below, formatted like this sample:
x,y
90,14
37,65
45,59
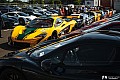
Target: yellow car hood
x,y
21,32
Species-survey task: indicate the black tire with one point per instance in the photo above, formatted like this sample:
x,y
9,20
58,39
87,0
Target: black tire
x,y
21,21
10,43
11,74
54,36
49,38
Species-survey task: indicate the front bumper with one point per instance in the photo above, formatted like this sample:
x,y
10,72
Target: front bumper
x,y
22,43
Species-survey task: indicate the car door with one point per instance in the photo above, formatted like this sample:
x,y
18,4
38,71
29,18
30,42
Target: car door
x,y
87,61
56,70
116,62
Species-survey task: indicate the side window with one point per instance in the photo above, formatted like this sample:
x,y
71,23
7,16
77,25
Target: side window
x,y
57,58
71,57
95,54
58,22
15,15
10,14
89,55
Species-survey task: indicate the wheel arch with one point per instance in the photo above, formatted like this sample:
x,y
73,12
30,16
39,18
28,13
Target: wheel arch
x,y
54,32
24,20
11,67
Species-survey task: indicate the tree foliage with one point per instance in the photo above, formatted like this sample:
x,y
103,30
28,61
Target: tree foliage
x,y
3,1
17,1
78,2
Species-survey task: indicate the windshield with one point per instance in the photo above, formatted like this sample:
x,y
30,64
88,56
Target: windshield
x,y
22,14
90,13
41,23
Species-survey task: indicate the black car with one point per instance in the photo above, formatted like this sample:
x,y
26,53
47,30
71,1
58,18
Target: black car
x,y
9,21
111,25
31,11
5,9
91,56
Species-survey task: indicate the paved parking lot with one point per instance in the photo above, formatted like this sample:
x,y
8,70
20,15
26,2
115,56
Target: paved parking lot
x,y
4,47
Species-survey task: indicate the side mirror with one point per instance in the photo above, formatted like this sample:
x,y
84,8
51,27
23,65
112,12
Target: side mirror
x,y
50,66
46,65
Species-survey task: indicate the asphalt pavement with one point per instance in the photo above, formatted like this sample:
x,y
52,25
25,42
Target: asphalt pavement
x,y
4,47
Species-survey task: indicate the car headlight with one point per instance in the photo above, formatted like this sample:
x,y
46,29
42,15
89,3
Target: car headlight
x,y
41,35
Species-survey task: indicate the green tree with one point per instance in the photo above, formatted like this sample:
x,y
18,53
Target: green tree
x,y
57,1
16,1
77,2
3,1
39,1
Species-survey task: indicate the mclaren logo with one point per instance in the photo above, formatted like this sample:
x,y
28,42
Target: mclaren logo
x,y
104,77
110,77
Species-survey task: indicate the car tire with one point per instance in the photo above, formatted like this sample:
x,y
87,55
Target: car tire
x,y
11,74
21,21
10,43
54,36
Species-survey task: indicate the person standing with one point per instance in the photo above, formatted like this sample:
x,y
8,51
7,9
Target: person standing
x,y
69,10
62,11
1,24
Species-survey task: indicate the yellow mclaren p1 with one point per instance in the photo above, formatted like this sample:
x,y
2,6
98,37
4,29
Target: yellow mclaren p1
x,y
39,30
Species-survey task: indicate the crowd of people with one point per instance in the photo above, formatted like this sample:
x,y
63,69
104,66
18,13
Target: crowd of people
x,y
65,10
68,10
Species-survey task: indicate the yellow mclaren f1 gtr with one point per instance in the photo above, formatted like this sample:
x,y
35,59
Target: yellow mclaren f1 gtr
x,y
39,30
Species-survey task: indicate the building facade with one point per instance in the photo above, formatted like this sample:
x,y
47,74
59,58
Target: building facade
x,y
104,3
117,5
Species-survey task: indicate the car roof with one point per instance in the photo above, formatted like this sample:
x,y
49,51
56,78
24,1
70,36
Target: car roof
x,y
16,12
100,26
105,37
100,36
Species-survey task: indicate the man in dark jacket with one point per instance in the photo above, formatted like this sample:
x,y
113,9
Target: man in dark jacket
x,y
1,24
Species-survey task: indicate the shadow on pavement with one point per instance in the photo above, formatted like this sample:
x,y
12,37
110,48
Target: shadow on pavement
x,y
5,46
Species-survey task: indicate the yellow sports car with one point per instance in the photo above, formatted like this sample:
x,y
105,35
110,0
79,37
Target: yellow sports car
x,y
39,30
97,15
